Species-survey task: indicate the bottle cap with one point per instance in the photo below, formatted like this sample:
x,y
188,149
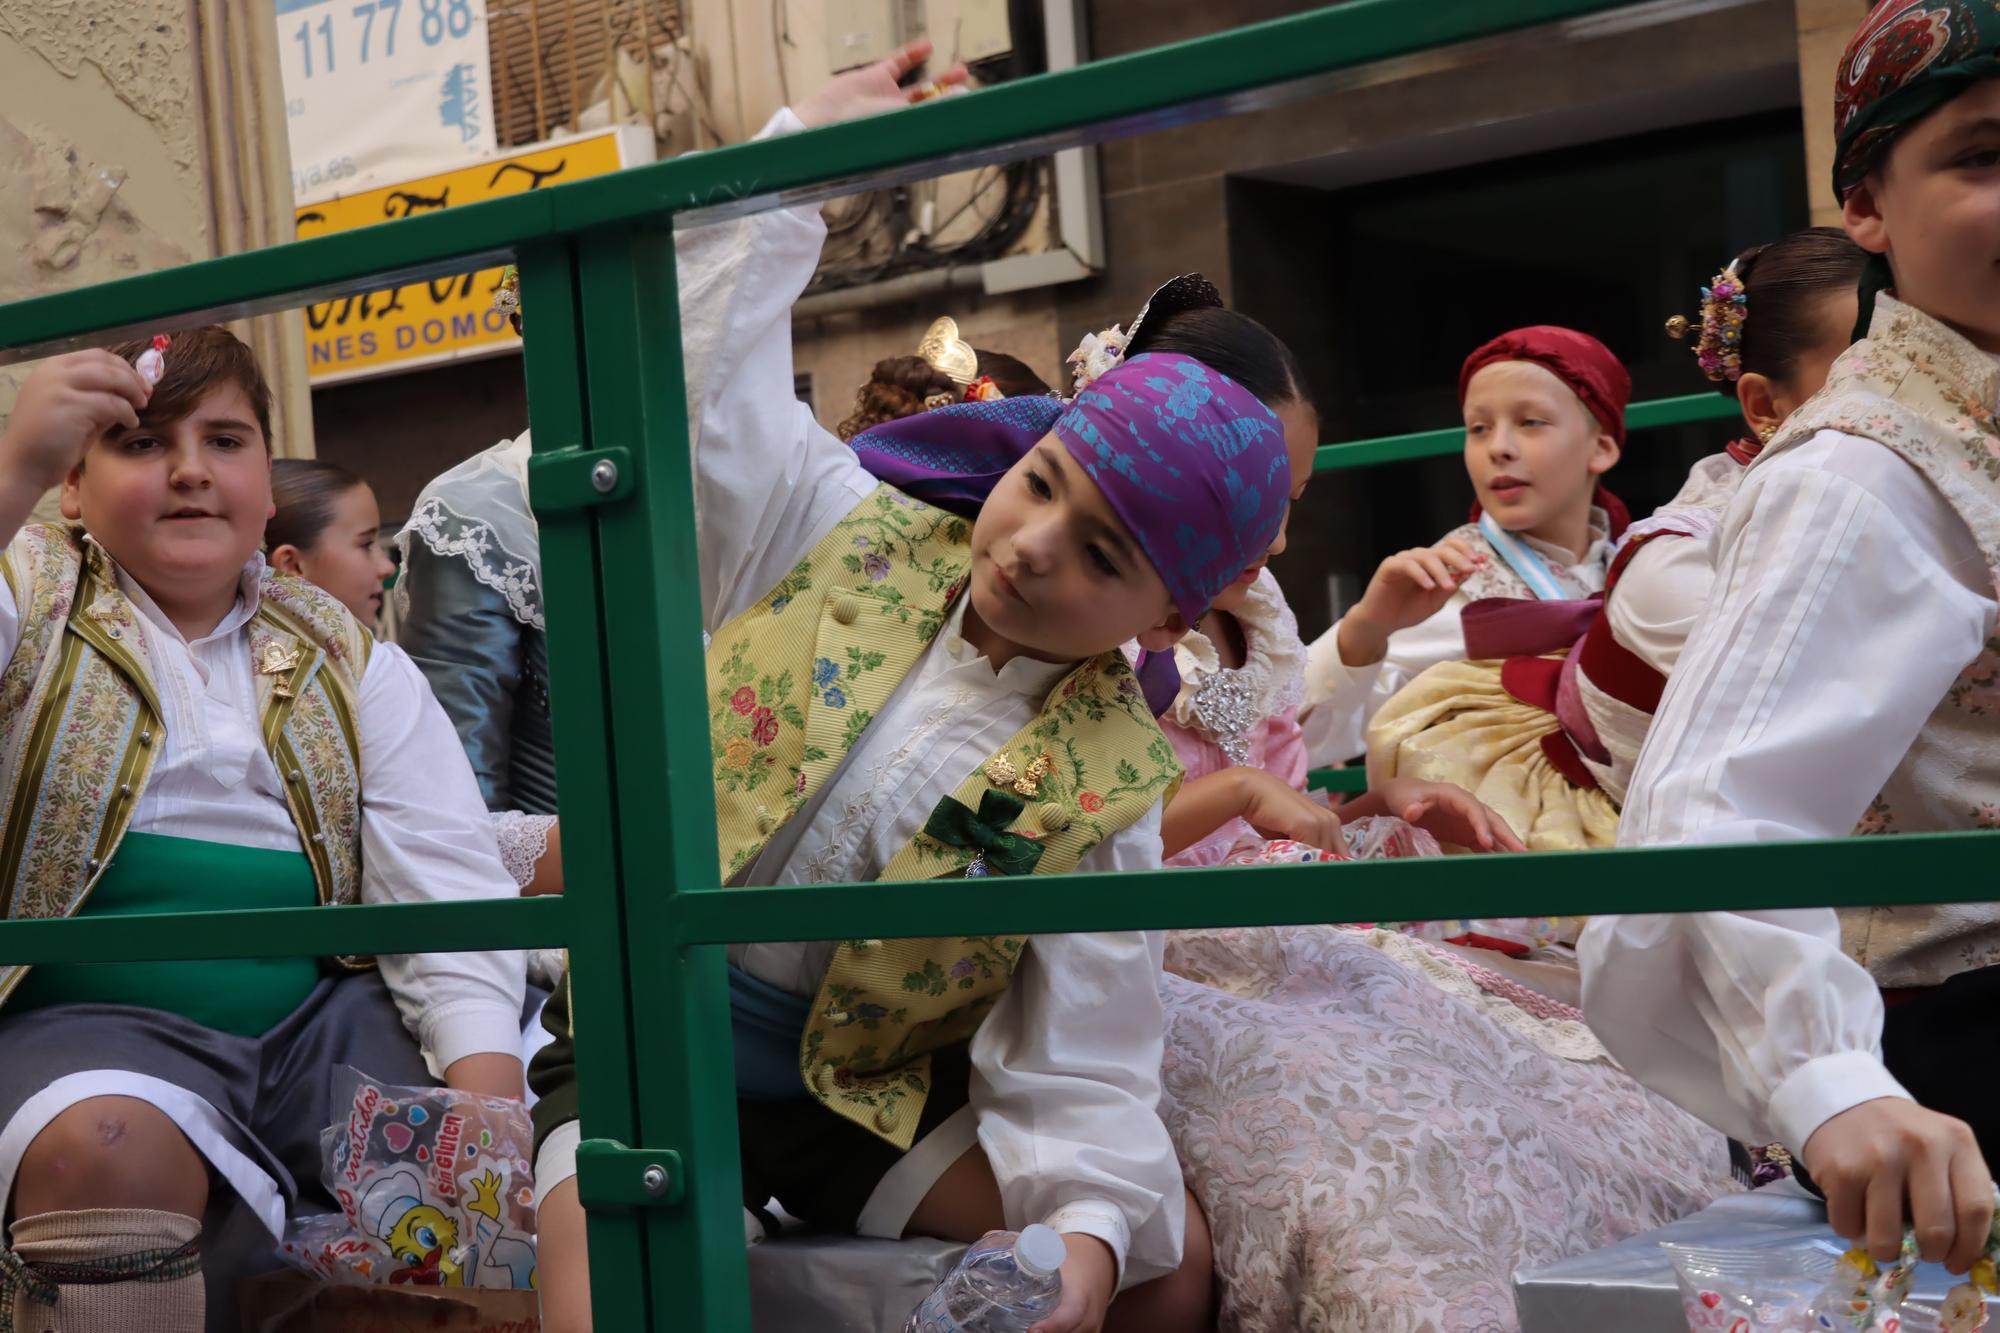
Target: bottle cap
x,y
1040,1251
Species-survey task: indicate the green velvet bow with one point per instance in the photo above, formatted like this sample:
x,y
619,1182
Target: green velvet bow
x,y
955,825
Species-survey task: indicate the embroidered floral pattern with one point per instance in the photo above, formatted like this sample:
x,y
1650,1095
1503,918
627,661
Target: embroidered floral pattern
x,y
750,708
1977,689
101,727
1876,819
1377,1154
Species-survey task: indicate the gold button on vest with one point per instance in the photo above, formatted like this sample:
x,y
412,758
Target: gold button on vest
x,y
1053,818
847,610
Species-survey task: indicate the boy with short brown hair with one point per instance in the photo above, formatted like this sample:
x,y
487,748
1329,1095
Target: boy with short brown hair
x,y
182,729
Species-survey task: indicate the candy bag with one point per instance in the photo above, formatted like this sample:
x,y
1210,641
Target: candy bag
x,y
1754,1291
434,1186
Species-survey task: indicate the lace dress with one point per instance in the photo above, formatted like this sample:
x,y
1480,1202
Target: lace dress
x,y
1381,1129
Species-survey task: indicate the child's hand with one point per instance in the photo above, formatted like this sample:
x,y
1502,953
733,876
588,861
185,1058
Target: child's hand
x,y
1089,1281
66,404
1408,589
872,89
1277,809
1448,813
1870,1157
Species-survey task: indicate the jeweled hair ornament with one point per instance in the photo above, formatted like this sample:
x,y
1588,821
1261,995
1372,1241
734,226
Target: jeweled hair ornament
x,y
1719,350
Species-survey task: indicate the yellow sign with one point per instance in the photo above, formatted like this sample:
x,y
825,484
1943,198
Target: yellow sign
x,y
420,323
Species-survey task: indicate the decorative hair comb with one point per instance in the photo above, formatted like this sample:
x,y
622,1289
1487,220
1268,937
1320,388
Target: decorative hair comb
x,y
1103,350
948,353
1719,350
152,363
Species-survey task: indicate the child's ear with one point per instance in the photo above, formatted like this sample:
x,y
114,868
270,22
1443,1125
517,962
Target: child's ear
x,y
1163,636
285,559
1758,398
72,494
1604,453
1861,214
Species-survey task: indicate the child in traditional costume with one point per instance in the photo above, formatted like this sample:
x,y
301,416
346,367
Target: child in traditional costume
x,y
1544,420
1331,1018
326,528
186,729
1545,722
1841,679
895,693
1227,694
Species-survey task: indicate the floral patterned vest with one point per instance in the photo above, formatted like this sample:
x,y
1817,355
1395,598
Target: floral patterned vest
x,y
795,680
1923,391
81,725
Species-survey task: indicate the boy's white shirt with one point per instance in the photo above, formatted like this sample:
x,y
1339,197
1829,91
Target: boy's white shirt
x,y
425,834
1066,1068
1341,699
1847,598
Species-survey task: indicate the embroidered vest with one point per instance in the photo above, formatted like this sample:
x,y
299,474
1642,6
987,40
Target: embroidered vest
x,y
795,680
81,725
1923,391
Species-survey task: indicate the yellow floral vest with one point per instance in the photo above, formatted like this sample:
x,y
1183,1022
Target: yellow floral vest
x,y
796,679
81,725
1923,391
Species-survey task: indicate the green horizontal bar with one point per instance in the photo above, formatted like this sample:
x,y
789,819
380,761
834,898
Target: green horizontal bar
x,y
1450,440
291,932
1349,780
1849,872
1259,64
1852,872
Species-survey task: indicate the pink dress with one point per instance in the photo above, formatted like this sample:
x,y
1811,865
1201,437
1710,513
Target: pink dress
x,y
1247,717
1380,1130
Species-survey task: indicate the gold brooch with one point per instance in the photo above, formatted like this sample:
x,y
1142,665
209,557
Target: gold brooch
x,y
1000,770
1030,782
279,662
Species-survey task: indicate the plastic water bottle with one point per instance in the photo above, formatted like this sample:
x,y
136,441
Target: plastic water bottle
x,y
1004,1284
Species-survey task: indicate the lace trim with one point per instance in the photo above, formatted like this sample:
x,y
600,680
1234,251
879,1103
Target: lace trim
x,y
1549,1024
455,536
523,840
1225,705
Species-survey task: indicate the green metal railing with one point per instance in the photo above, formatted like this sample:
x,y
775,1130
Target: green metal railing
x,y
645,917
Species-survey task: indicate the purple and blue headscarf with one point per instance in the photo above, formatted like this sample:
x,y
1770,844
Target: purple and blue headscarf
x,y
1192,462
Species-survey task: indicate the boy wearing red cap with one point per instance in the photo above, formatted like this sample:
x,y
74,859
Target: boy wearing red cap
x,y
1544,420
1842,678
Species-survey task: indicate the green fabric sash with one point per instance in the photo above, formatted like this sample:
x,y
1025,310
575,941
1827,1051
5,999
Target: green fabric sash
x,y
246,997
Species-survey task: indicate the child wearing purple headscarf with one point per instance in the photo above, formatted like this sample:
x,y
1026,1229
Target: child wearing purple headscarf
x,y
898,692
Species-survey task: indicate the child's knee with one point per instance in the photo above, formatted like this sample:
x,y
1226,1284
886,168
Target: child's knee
x,y
111,1152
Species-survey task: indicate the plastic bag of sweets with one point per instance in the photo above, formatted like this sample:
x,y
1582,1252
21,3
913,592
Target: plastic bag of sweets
x,y
435,1189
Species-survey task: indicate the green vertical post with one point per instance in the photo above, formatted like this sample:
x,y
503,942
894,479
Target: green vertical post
x,y
663,791
593,877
